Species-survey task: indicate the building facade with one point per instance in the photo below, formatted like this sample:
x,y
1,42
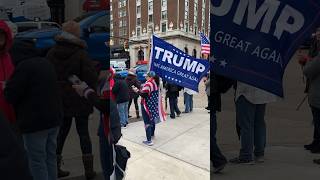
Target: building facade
x,y
177,21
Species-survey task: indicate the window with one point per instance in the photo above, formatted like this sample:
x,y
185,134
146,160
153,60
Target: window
x,y
195,30
164,15
164,27
150,6
164,3
150,18
138,31
122,3
194,53
138,9
122,13
186,27
186,50
123,23
123,32
138,21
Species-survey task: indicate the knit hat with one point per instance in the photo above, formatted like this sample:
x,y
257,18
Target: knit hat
x,y
72,27
151,74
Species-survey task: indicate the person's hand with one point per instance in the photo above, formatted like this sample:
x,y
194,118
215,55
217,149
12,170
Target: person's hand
x,y
303,60
135,89
80,88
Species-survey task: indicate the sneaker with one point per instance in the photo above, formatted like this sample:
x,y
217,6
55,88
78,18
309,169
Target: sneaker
x,y
259,159
178,114
311,146
316,161
148,143
124,127
219,168
241,161
172,117
316,149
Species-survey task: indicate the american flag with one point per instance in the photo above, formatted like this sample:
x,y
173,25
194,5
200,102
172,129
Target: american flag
x,y
153,104
205,44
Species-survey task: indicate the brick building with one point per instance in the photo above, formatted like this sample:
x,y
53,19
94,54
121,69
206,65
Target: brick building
x,y
177,21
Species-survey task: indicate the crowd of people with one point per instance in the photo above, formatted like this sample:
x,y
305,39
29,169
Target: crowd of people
x,y
40,95
251,102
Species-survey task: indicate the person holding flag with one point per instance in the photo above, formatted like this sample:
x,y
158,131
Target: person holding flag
x,y
151,106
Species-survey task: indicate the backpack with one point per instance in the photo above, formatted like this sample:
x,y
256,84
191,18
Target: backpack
x,y
122,157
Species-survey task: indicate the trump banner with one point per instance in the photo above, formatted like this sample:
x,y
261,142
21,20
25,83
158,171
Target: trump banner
x,y
252,41
176,67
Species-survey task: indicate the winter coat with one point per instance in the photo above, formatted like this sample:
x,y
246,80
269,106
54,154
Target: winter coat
x,y
69,57
6,70
172,90
120,90
132,81
33,90
13,159
312,72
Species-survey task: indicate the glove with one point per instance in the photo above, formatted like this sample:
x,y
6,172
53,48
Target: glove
x,y
303,60
81,88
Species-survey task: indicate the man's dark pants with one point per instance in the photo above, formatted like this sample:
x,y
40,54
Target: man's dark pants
x,y
216,156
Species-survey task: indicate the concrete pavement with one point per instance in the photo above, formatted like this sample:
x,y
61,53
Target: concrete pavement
x,y
180,151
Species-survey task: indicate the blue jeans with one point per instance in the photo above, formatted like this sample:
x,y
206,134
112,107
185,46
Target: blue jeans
x,y
216,156
149,125
123,113
41,150
250,118
188,102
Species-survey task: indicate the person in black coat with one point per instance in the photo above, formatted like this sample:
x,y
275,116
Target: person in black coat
x,y
13,160
70,57
132,80
34,93
109,128
121,92
173,94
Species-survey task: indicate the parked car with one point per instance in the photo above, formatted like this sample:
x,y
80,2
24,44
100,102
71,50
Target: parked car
x,y
94,31
141,71
34,25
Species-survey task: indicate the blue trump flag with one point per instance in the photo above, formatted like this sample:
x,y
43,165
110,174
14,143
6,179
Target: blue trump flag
x,y
252,41
176,67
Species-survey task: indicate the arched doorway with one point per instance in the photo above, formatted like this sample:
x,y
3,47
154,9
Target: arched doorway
x,y
140,55
194,53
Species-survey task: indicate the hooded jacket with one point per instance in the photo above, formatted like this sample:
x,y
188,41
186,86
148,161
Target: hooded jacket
x,y
33,90
133,81
6,70
120,90
69,57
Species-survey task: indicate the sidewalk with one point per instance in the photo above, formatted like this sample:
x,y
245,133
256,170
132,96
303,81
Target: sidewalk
x,y
180,151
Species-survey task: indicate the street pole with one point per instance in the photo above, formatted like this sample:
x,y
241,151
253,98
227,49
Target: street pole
x,y
148,49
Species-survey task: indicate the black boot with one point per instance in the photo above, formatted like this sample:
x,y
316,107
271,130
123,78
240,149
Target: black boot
x,y
61,173
137,113
88,166
312,145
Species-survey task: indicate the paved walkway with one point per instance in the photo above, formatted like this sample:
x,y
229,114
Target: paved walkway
x,y
180,151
